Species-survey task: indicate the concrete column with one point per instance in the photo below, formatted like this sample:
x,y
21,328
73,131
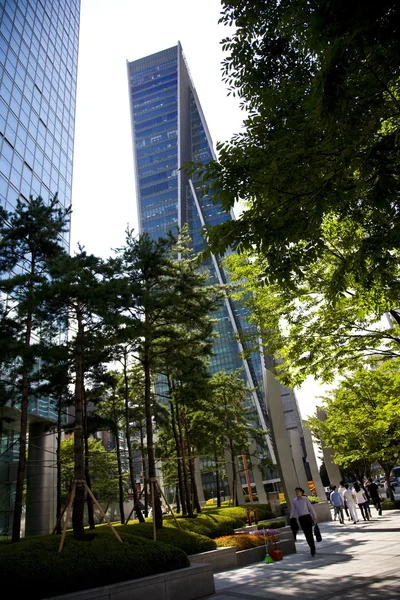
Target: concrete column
x,y
312,461
257,474
279,435
41,481
199,483
332,469
229,472
297,455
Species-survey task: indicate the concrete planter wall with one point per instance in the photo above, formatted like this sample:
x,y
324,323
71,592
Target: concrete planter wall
x,y
193,582
220,559
323,511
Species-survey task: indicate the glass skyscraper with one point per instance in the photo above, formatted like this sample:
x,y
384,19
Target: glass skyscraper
x,y
38,77
169,129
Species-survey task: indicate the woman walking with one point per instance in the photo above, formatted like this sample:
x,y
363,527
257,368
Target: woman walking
x,y
350,498
362,501
302,507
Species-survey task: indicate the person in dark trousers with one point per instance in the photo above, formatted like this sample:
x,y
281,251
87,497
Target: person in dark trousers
x,y
337,502
302,507
373,492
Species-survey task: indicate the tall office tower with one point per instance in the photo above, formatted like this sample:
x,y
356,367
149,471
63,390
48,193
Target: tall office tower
x,y
38,75
169,129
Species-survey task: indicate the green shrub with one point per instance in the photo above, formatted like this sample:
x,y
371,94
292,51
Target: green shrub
x,y
188,541
239,512
390,504
271,524
210,525
240,541
38,571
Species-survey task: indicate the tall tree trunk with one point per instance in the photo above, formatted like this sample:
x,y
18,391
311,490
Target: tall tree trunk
x,y
179,464
192,468
149,424
178,505
234,474
387,470
89,500
79,470
144,471
120,484
19,490
184,470
217,474
129,443
58,450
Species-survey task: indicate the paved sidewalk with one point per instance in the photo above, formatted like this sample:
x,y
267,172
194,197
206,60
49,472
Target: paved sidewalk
x,y
353,562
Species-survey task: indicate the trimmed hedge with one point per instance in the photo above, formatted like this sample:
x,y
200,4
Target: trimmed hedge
x,y
188,541
209,525
240,541
390,504
37,571
271,524
239,512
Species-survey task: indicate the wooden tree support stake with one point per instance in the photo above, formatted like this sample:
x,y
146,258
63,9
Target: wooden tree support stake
x,y
166,501
134,506
71,501
89,491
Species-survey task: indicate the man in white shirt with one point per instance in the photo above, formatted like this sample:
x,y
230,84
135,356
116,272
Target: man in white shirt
x,y
341,491
302,507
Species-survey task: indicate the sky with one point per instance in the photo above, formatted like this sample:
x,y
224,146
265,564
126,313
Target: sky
x,y
112,32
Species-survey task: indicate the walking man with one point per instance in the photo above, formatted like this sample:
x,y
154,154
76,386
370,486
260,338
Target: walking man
x,y
341,491
373,492
337,502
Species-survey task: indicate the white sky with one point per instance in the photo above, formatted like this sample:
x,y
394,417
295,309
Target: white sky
x,y
112,32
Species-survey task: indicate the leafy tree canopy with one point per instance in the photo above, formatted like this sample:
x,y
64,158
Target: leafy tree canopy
x,y
308,332
320,83
363,416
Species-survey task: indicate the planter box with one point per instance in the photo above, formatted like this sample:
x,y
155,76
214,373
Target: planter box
x,y
248,557
323,511
193,582
220,559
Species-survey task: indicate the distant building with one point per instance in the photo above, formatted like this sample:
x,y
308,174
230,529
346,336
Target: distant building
x,y
168,130
38,77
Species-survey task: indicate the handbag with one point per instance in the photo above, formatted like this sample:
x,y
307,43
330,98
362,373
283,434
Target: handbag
x,y
317,533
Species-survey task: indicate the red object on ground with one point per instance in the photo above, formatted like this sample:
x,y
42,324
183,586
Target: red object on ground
x,y
276,554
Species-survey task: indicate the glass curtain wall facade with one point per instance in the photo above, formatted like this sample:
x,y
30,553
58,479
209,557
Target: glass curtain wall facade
x,y
169,129
38,78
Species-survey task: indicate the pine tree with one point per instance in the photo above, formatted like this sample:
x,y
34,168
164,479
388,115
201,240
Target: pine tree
x,y
30,238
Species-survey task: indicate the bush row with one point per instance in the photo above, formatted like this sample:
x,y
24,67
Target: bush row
x,y
271,524
390,504
37,571
240,541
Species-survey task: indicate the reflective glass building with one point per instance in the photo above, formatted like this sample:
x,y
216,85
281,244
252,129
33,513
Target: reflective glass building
x,y
169,129
38,78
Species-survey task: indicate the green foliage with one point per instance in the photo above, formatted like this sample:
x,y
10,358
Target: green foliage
x,y
239,512
309,331
188,541
209,525
321,135
271,524
392,505
363,416
240,541
103,469
83,565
